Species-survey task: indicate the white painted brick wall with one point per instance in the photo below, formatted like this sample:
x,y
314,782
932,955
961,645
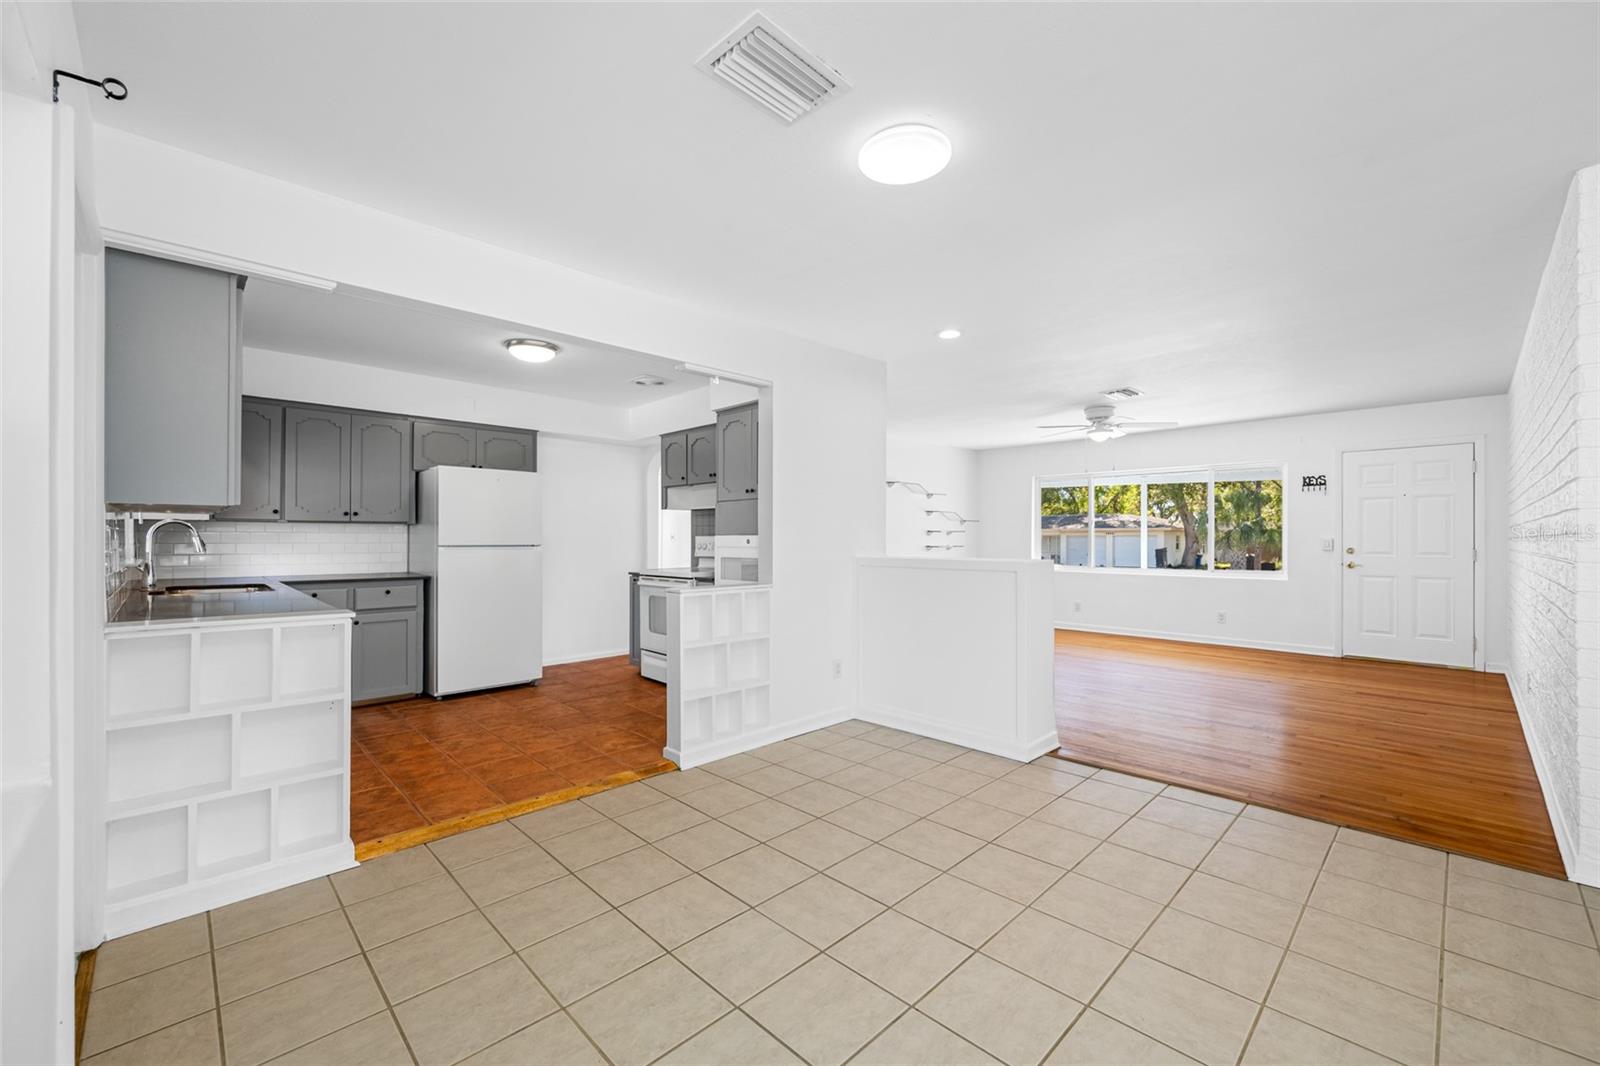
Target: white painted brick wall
x,y
1554,500
268,549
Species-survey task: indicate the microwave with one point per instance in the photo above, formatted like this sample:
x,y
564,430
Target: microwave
x,y
736,560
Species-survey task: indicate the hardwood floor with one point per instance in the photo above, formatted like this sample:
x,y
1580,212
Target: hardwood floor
x,y
423,761
1421,753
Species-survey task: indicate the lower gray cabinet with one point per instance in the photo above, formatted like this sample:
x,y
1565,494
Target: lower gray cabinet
x,y
386,636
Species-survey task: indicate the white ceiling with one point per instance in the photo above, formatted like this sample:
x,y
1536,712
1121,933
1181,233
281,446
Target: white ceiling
x,y
1244,210
355,326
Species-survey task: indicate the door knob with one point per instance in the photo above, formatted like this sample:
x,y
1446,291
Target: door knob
x,y
1349,551
1351,565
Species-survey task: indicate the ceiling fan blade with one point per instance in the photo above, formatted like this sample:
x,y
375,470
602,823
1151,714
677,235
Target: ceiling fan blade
x,y
1081,425
1147,425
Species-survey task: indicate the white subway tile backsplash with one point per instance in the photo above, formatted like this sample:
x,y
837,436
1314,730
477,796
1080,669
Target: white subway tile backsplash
x,y
272,549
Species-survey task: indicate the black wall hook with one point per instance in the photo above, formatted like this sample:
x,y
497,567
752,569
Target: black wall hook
x,y
112,87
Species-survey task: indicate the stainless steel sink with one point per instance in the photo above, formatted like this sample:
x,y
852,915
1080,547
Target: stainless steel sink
x,y
181,590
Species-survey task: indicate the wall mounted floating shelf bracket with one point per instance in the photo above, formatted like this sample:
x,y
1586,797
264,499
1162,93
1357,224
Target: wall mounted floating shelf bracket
x,y
917,487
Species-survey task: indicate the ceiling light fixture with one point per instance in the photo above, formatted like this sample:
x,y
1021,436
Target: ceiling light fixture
x,y
649,380
904,155
531,350
1101,434
949,334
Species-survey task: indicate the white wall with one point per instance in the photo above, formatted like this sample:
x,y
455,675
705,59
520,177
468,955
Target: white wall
x,y
1298,613
953,471
824,428
1554,507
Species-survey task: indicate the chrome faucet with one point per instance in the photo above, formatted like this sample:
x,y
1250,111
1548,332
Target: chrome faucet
x,y
150,547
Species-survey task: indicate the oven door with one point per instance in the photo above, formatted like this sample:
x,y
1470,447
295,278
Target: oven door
x,y
653,618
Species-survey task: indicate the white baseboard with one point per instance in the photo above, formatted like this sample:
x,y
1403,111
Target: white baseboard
x,y
1005,747
1195,638
1588,873
583,657
131,917
1496,668
721,749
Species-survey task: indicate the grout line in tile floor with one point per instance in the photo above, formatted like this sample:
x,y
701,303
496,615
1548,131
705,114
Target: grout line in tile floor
x,y
904,1007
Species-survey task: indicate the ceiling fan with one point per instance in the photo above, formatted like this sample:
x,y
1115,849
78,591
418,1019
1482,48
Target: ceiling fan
x,y
1102,424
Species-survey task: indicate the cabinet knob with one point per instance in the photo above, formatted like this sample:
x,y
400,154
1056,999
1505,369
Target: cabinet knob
x,y
347,514
356,622
274,510
313,595
353,514
387,591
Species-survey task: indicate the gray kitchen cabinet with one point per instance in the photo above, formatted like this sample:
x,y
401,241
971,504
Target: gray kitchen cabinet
x,y
381,477
173,362
386,636
316,465
701,448
737,478
260,463
505,449
443,444
675,459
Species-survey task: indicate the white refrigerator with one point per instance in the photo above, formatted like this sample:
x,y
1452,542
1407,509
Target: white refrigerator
x,y
478,536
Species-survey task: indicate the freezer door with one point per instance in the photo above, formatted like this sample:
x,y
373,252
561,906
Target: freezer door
x,y
488,625
487,506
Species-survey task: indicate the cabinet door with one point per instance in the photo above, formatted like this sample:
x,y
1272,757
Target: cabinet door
x,y
675,459
736,453
383,659
505,449
381,477
316,465
443,444
702,449
260,464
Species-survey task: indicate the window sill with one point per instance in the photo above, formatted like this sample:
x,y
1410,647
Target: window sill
x,y
1216,575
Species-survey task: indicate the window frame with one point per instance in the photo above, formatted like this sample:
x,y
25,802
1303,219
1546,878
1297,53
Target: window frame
x,y
1123,477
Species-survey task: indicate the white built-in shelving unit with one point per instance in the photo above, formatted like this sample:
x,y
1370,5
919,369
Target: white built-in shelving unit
x,y
719,669
226,763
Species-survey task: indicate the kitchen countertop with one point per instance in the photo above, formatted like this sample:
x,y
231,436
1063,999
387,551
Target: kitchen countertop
x,y
223,605
703,574
320,579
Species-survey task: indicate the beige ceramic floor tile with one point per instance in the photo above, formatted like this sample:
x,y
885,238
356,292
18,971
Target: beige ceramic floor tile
x,y
1204,799
1012,1017
959,909
262,914
1056,845
507,874
405,910
824,1011
1102,909
1381,907
472,1012
555,1039
478,844
1256,869
936,845
385,874
1387,958
1213,953
915,797
1181,1011
1112,797
648,1012
1280,1039
885,875
1546,958
413,964
1133,871
1538,1011
1097,1040
287,1016
1465,1041
1009,873
1190,817
937,750
735,765
1068,959
984,763
732,1040
140,1005
192,1042
1567,891
564,818
373,1041
632,874
681,911
1163,841
680,783
820,910
900,955
1044,778
871,819
1307,849
1012,796
765,820
757,874
662,819
1244,910
861,778
591,844
269,959
1364,1012
818,798
975,819
1309,826
706,844
1086,818
1530,910
916,1038
589,956
530,916
151,949
1398,849
952,779
818,844
1375,868
616,802
902,764
771,779
818,764
743,956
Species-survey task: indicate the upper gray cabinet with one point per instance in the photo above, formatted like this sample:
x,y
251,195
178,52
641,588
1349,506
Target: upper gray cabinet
x,y
736,454
316,465
505,449
172,383
701,446
381,478
459,444
260,463
675,459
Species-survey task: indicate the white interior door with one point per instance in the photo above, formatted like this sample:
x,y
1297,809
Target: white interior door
x,y
1409,554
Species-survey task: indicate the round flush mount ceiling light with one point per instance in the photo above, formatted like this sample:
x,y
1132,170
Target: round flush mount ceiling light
x,y
649,381
949,334
904,155
531,350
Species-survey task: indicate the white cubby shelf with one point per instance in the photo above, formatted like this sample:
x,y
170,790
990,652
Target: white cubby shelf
x,y
719,667
226,763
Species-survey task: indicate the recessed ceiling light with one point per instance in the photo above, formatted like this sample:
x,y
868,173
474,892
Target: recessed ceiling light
x,y
531,350
904,155
649,380
949,334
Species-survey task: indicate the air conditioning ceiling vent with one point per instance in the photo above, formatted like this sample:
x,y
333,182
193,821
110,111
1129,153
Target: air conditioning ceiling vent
x,y
770,69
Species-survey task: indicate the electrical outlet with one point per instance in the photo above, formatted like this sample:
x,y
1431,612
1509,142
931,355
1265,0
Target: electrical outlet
x,y
838,669
1222,617
1077,605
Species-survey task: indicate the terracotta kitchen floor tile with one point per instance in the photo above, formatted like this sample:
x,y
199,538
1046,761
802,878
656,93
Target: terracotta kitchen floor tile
x,y
583,773
473,751
378,812
365,774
